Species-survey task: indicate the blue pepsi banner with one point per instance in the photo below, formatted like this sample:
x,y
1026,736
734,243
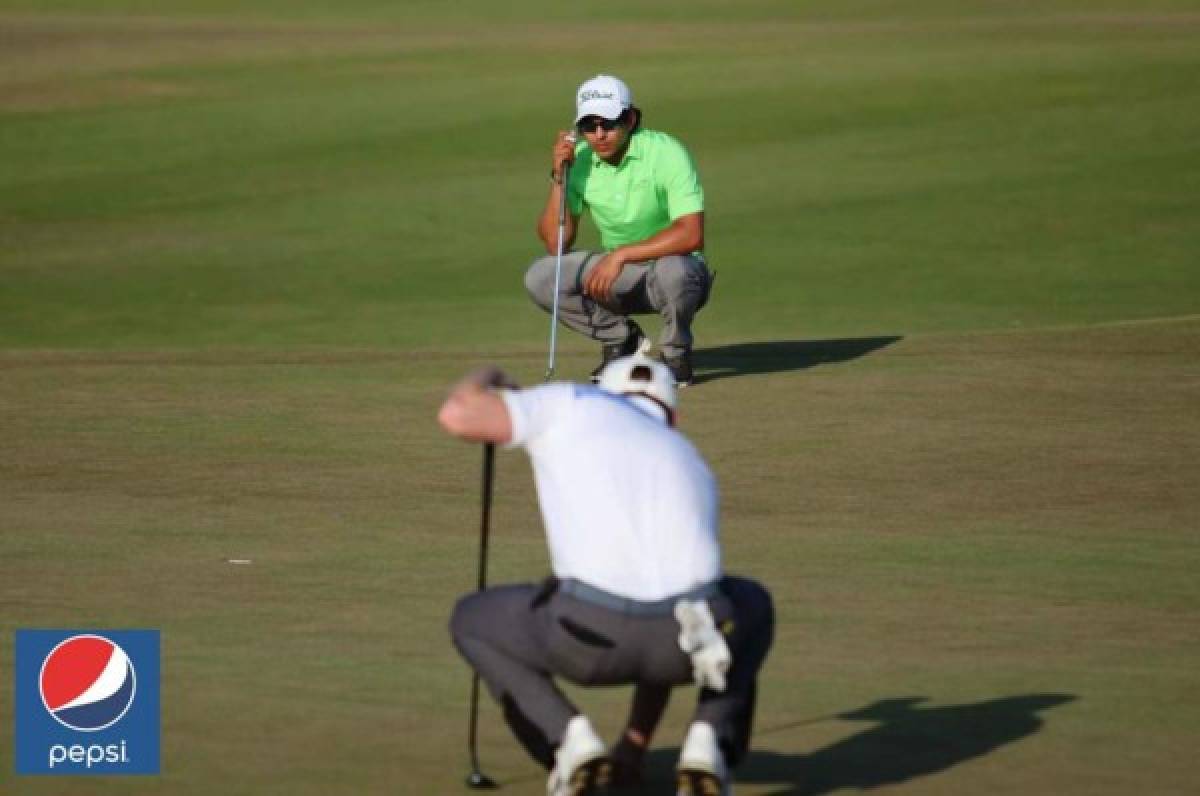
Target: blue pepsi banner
x,y
87,702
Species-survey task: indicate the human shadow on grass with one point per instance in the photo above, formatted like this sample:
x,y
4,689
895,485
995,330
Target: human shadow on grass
x,y
740,359
907,742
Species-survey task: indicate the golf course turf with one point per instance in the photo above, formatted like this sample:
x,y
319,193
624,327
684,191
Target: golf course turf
x,y
948,379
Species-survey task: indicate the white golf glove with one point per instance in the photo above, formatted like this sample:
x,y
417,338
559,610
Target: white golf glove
x,y
703,643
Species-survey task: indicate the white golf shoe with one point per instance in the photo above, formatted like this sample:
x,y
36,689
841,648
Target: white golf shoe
x,y
701,770
582,766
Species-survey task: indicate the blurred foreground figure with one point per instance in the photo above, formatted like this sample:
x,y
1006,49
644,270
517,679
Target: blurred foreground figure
x,y
637,596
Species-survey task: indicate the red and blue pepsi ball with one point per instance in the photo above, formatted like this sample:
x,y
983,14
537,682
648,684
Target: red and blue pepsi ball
x,y
87,683
87,701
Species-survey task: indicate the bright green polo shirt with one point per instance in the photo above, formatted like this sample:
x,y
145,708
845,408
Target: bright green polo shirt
x,y
655,183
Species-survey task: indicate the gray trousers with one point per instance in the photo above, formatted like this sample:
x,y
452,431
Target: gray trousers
x,y
674,287
518,638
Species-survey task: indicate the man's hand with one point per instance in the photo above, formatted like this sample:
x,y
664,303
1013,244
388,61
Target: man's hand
x,y
564,152
474,412
598,283
487,376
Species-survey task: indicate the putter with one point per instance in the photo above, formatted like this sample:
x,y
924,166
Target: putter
x,y
477,780
562,227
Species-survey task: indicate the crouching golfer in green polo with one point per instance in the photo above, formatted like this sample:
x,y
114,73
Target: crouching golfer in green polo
x,y
645,198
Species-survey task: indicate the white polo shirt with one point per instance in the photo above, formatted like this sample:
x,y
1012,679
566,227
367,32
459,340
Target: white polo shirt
x,y
628,503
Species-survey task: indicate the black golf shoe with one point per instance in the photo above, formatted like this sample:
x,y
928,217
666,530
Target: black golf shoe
x,y
625,348
680,367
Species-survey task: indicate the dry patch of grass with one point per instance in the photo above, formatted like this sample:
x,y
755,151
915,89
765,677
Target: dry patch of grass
x,y
59,62
62,61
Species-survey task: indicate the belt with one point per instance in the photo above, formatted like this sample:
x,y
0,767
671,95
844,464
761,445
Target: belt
x,y
627,605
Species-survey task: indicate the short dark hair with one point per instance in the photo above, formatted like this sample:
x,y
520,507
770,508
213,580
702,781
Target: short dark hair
x,y
638,124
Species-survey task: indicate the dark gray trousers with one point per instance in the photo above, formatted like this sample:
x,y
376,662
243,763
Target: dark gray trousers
x,y
518,638
674,287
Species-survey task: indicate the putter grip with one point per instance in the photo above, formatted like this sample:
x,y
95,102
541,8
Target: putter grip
x,y
565,181
562,203
489,477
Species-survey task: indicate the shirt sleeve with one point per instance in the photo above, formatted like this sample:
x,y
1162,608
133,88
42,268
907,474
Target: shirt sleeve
x,y
679,180
532,412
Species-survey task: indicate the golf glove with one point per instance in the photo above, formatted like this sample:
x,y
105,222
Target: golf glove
x,y
703,643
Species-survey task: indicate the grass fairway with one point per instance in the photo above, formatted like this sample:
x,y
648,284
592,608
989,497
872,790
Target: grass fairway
x,y
949,375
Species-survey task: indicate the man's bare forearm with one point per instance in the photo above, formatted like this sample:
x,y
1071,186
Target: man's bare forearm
x,y
684,236
548,222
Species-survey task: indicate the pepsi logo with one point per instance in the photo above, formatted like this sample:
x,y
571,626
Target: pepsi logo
x,y
87,683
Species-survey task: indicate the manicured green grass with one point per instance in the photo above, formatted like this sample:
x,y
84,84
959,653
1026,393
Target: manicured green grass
x,y
244,248
229,181
970,519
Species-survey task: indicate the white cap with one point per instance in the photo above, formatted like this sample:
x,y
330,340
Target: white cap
x,y
603,95
640,375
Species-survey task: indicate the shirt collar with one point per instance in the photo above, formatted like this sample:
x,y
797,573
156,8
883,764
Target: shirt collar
x,y
650,406
635,146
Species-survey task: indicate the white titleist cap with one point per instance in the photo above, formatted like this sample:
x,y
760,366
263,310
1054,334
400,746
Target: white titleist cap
x,y
603,95
639,374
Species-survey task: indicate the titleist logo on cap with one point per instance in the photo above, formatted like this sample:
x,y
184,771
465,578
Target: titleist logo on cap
x,y
592,94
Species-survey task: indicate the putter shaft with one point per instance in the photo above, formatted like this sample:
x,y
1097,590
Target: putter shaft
x,y
477,779
558,254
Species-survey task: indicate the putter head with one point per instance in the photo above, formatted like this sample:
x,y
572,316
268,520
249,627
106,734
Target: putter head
x,y
479,781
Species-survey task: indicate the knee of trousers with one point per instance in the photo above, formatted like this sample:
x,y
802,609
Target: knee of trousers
x,y
679,280
678,270
753,606
465,620
539,282
764,613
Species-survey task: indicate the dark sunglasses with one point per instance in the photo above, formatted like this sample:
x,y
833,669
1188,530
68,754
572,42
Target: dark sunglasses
x,y
593,123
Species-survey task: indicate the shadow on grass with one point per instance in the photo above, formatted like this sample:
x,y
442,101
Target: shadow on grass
x,y
741,359
907,742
